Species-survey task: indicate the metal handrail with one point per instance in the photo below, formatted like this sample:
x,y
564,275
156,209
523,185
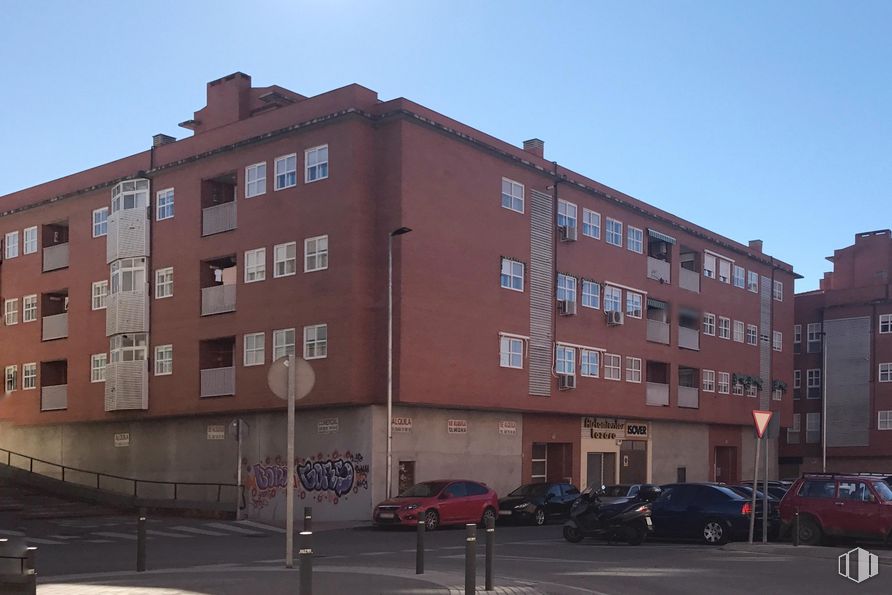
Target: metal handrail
x,y
136,482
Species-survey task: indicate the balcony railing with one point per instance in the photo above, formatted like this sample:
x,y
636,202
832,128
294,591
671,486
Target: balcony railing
x,y
688,279
127,385
658,331
55,326
657,394
53,398
689,397
55,257
218,218
217,299
217,382
689,338
659,270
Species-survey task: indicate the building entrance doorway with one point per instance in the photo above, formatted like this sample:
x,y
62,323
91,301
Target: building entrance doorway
x,y
633,461
726,464
600,469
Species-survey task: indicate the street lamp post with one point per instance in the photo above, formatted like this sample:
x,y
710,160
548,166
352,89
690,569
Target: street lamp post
x,y
397,232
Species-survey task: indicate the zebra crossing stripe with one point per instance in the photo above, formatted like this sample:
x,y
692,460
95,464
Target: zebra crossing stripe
x,y
12,533
44,541
233,528
166,534
262,526
198,531
129,536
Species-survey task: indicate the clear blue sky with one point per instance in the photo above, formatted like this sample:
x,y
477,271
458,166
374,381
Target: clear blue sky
x,y
768,120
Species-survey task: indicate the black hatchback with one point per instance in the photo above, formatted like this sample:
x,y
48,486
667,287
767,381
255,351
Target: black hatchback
x,y
536,503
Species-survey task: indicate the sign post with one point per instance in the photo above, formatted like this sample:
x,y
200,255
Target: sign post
x,y
760,419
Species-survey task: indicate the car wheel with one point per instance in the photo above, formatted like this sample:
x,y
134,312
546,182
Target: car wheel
x,y
637,534
809,532
539,517
572,534
715,533
489,513
431,520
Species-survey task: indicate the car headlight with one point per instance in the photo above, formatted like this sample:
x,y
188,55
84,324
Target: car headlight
x,y
521,505
410,506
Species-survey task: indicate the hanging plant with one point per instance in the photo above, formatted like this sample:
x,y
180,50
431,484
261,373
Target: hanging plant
x,y
779,385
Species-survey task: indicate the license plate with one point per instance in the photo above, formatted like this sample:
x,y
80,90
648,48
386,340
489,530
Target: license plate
x,y
385,515
504,513
649,522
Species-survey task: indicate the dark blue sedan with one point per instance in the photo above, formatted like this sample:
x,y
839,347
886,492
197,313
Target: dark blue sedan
x,y
709,512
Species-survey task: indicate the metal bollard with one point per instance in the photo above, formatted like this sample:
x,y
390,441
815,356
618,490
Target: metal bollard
x,y
796,528
31,569
308,518
471,559
141,541
419,547
490,544
305,557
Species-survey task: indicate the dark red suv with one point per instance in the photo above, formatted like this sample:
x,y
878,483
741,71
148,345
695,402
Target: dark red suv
x,y
838,505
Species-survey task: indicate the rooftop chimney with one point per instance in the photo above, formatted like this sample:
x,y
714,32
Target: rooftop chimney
x,y
756,245
535,146
162,139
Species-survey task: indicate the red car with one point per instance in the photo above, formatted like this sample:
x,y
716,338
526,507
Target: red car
x,y
440,502
843,505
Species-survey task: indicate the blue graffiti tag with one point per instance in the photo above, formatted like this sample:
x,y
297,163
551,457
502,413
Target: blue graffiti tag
x,y
321,476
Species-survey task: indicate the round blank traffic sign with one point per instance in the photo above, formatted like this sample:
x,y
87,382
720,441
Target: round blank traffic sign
x,y
277,378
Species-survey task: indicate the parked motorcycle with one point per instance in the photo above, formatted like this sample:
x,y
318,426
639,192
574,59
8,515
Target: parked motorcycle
x,y
627,519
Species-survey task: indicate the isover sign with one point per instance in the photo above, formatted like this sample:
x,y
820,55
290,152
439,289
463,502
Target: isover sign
x,y
600,428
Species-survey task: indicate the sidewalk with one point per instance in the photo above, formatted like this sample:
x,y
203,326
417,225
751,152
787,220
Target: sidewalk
x,y
808,551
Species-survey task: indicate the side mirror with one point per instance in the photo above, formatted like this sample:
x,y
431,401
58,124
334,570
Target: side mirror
x,y
443,496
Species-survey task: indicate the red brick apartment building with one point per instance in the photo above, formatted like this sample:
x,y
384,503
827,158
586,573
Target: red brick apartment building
x,y
843,364
546,326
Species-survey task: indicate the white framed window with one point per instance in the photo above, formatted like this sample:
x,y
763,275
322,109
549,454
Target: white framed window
x,y
163,360
814,332
752,281
29,308
591,224
737,389
797,333
512,195
131,347
797,378
633,369
283,343
708,381
566,288
708,265
613,366
634,239
164,283
255,349
793,432
566,214
724,271
511,352
12,378
132,194
164,204
752,390
614,232
613,299
709,324
591,294
752,334
778,292
885,324
255,180
884,419
128,274
777,341
512,274
30,238
724,328
284,259
316,160
565,360
100,222
590,363
12,245
633,304
724,385
738,331
777,394
739,276
813,378
98,361
286,171
812,428
255,265
99,295
315,254
885,374
29,376
316,341
11,311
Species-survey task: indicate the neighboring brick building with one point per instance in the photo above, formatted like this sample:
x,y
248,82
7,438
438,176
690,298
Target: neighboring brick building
x,y
844,352
546,326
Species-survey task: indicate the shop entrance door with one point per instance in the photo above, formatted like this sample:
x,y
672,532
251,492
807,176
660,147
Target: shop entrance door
x,y
600,469
633,462
726,464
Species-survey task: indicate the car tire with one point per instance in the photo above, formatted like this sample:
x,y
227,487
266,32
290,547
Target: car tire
x,y
488,513
572,534
539,518
431,520
809,531
714,532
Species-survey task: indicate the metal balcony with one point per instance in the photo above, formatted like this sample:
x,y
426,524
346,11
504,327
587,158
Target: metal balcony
x,y
689,280
127,385
217,382
55,327
217,299
55,257
688,338
689,397
53,398
657,394
218,218
659,270
658,331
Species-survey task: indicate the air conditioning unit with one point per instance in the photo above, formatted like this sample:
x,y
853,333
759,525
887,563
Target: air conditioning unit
x,y
566,382
614,318
568,233
567,308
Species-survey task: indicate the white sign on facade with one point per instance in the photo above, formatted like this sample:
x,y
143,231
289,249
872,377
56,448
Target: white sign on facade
x,y
122,439
457,426
216,432
401,425
328,425
508,428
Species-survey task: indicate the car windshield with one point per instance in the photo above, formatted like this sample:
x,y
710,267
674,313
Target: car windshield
x,y
424,490
884,491
614,491
530,490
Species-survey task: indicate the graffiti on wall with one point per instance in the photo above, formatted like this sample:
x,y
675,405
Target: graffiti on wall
x,y
319,478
